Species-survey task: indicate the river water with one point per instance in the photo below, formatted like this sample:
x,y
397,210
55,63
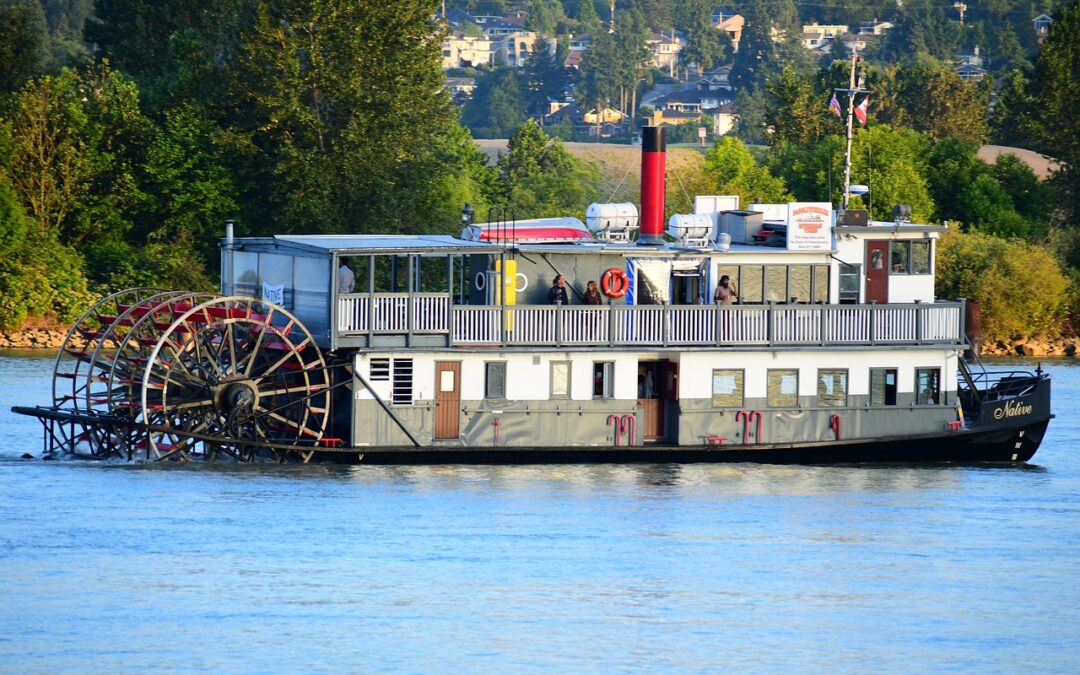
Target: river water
x,y
665,568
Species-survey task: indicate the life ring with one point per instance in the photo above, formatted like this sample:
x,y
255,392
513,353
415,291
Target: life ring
x,y
523,282
614,283
480,280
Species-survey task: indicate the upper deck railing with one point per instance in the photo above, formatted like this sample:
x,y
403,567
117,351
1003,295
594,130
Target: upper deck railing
x,y
649,325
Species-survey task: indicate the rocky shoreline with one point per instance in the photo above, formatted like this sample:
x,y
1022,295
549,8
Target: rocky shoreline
x,y
1034,346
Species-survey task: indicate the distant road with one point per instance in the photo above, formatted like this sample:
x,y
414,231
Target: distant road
x,y
611,153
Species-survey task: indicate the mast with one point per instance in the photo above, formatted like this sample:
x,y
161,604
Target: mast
x,y
855,87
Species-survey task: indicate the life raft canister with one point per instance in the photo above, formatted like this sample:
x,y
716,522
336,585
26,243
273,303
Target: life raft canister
x,y
614,283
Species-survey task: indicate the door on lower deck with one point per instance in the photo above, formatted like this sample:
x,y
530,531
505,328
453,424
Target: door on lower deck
x,y
657,387
447,399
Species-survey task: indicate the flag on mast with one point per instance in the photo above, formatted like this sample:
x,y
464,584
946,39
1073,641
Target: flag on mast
x,y
860,110
834,106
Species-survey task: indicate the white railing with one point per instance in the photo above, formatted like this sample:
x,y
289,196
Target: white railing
x,y
390,313
651,325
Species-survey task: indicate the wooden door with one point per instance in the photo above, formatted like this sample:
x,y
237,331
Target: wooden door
x,y
650,399
877,271
447,399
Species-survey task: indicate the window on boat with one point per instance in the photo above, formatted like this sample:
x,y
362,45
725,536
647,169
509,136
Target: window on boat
x,y
560,379
379,370
821,283
495,379
850,277
909,257
727,388
920,257
883,386
402,392
927,386
898,257
751,283
776,283
603,379
832,387
783,388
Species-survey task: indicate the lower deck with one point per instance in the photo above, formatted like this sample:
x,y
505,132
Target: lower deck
x,y
637,399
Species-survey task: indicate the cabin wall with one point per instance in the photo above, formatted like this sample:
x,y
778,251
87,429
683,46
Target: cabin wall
x,y
528,416
903,288
304,282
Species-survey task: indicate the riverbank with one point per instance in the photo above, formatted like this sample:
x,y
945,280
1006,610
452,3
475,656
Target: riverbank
x,y
1035,346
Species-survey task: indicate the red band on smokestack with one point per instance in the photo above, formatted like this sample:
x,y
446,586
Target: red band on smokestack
x,y
653,156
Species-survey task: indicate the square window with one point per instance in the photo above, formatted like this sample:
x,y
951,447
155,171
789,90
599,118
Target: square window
x,y
783,388
927,386
560,379
898,257
727,388
832,388
920,257
495,379
883,386
603,379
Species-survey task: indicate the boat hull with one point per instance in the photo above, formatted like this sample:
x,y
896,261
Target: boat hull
x,y
1011,444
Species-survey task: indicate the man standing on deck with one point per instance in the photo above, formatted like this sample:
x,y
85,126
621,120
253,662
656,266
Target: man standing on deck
x,y
345,278
557,294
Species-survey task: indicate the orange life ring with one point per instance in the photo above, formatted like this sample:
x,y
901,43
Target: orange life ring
x,y
614,283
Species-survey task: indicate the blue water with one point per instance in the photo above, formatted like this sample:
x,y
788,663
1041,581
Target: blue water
x,y
657,568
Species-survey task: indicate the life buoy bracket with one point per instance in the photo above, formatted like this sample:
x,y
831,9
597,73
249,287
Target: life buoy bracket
x,y
614,282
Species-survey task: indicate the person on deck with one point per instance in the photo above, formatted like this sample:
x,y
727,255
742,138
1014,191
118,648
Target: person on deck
x,y
346,279
592,294
725,291
557,294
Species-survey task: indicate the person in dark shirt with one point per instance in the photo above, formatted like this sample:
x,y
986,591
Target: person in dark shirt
x,y
592,295
557,294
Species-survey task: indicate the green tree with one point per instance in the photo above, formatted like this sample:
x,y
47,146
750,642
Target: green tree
x,y
498,105
733,171
541,18
586,15
22,42
75,143
169,47
966,190
1020,286
795,110
1009,122
341,117
539,178
544,79
936,101
705,46
893,163
13,225
1054,114
750,108
756,57
192,191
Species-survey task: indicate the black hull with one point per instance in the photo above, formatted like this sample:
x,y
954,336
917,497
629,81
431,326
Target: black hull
x,y
1009,444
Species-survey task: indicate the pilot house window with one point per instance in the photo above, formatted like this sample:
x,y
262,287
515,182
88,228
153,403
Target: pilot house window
x,y
909,257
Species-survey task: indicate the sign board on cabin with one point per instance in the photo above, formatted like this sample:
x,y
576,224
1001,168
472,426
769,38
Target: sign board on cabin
x,y
274,293
809,226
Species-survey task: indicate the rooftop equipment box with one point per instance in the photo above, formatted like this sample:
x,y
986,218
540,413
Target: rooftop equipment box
x,y
741,225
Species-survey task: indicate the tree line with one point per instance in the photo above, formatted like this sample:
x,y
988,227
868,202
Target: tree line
x,y
119,164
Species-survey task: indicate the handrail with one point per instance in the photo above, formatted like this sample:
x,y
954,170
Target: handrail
x,y
671,325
